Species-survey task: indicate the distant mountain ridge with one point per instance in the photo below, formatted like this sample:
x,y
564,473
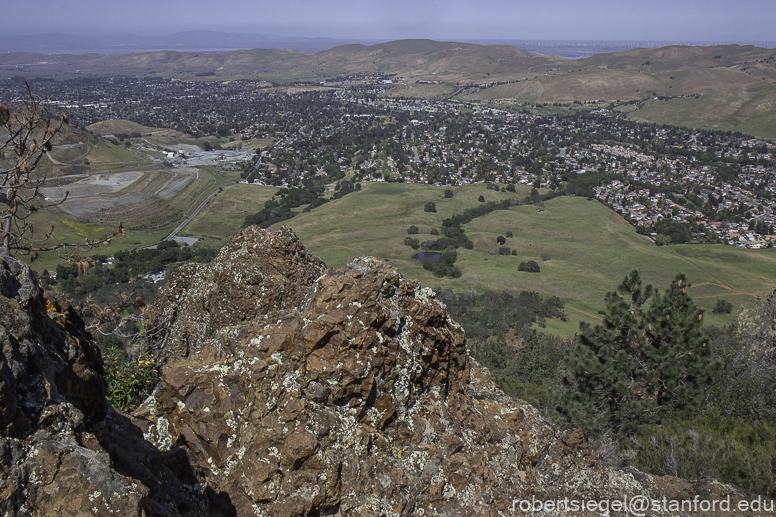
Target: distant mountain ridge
x,y
411,58
219,41
726,87
55,43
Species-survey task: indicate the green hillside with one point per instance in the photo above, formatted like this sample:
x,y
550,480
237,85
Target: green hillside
x,y
590,248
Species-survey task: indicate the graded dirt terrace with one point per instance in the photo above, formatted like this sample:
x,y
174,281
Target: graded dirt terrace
x,y
124,195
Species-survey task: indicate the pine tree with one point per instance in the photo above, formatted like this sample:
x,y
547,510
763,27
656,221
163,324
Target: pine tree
x,y
648,361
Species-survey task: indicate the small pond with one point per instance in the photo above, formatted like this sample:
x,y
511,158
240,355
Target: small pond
x,y
427,255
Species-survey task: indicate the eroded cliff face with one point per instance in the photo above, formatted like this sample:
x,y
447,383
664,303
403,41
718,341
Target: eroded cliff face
x,y
287,389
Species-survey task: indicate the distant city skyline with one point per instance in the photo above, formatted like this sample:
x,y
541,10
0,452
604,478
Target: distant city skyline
x,y
718,21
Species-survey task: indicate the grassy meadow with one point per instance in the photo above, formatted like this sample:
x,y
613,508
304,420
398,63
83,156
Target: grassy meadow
x,y
590,248
223,216
749,111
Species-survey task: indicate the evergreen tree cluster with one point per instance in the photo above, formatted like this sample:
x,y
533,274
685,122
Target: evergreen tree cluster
x,y
646,384
128,265
276,211
498,326
675,232
499,313
648,361
445,265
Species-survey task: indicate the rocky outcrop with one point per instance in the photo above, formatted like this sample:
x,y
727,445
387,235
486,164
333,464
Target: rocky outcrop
x,y
287,389
63,449
298,390
255,274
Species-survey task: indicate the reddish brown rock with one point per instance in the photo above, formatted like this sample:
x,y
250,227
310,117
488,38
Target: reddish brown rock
x,y
255,274
63,449
353,394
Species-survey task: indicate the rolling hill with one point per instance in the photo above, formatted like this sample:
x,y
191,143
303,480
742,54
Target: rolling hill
x,y
728,87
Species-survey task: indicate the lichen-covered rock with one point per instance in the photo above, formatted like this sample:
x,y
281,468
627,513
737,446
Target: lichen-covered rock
x,y
63,449
256,273
354,395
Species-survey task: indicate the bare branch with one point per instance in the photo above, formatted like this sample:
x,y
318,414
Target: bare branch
x,y
30,131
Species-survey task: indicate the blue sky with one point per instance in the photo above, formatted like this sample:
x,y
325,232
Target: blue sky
x,y
649,20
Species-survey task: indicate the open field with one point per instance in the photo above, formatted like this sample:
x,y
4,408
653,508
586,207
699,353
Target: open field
x,y
421,91
165,136
114,126
749,111
591,249
224,215
106,155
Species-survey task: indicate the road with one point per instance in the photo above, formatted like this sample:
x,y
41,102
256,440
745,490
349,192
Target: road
x,y
196,212
211,196
768,213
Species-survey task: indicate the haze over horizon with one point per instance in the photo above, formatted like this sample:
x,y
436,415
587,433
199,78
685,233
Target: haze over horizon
x,y
717,21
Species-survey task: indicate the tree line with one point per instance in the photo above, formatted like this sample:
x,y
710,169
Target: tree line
x,y
650,385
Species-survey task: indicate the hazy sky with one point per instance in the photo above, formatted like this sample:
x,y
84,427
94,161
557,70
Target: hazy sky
x,y
655,20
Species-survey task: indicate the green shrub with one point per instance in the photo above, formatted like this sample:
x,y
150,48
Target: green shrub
x,y
128,381
722,307
531,267
712,447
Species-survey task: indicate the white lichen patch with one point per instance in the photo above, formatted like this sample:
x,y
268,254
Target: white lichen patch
x,y
223,369
425,294
159,434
